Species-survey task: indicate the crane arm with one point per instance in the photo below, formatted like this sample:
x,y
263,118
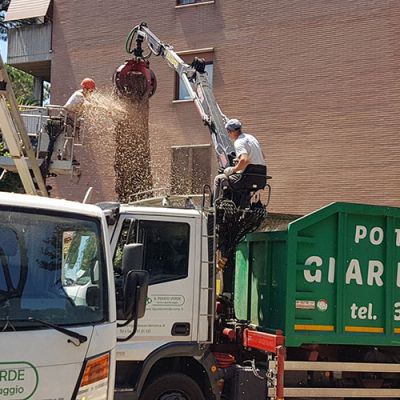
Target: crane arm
x,y
194,78
233,222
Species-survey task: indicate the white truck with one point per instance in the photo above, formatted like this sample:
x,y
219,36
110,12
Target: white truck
x,y
189,342
57,300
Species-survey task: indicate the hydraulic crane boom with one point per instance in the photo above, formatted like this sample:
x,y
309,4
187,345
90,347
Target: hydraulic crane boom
x,y
16,138
136,81
193,76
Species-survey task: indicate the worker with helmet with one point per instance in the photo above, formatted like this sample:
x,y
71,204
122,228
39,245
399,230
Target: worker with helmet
x,y
249,171
250,160
76,102
75,107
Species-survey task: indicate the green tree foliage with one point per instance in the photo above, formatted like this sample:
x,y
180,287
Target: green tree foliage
x,y
10,181
22,84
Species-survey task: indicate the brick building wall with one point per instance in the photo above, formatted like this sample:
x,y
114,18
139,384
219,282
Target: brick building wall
x,y
315,81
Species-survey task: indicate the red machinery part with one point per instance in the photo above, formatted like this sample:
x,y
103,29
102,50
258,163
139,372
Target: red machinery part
x,y
280,359
272,343
230,333
135,79
224,360
262,340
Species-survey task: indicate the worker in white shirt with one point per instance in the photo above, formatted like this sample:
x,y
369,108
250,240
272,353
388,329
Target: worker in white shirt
x,y
75,106
249,155
76,103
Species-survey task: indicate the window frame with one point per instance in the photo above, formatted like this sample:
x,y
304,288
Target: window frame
x,y
194,3
178,84
70,218
131,219
188,56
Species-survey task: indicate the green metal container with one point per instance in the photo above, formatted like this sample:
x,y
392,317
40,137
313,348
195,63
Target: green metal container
x,y
333,277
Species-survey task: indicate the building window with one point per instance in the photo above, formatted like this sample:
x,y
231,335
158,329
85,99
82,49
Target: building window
x,y
190,169
185,2
181,92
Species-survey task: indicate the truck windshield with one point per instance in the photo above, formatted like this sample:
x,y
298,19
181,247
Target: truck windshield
x,y
52,268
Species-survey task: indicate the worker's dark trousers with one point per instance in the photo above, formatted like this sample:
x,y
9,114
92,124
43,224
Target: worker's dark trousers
x,y
233,182
222,180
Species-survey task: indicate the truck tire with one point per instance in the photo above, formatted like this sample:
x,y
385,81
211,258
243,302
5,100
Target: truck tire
x,y
172,387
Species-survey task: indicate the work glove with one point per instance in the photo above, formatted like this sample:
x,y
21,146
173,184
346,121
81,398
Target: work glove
x,y
228,171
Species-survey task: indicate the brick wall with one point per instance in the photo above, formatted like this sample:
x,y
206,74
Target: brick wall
x,y
315,81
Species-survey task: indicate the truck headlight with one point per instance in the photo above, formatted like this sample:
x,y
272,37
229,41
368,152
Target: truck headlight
x,y
94,382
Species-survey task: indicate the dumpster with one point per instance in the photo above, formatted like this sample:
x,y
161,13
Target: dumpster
x,y
331,277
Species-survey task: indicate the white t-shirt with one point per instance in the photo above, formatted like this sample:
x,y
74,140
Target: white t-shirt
x,y
248,144
75,102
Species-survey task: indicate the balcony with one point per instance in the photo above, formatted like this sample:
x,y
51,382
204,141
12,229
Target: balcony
x,y
29,49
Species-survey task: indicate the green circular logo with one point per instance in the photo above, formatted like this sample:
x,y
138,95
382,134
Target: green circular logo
x,y
18,380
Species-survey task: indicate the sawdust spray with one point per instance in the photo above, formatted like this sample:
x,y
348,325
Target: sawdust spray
x,y
126,121
132,163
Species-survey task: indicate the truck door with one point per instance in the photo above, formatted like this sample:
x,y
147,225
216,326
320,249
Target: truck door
x,y
169,259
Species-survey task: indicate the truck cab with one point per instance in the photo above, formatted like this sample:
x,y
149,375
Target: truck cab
x,y
176,261
180,302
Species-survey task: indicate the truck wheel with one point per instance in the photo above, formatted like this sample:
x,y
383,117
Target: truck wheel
x,y
172,387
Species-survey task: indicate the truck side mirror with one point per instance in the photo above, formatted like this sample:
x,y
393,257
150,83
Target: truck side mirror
x,y
135,294
132,258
